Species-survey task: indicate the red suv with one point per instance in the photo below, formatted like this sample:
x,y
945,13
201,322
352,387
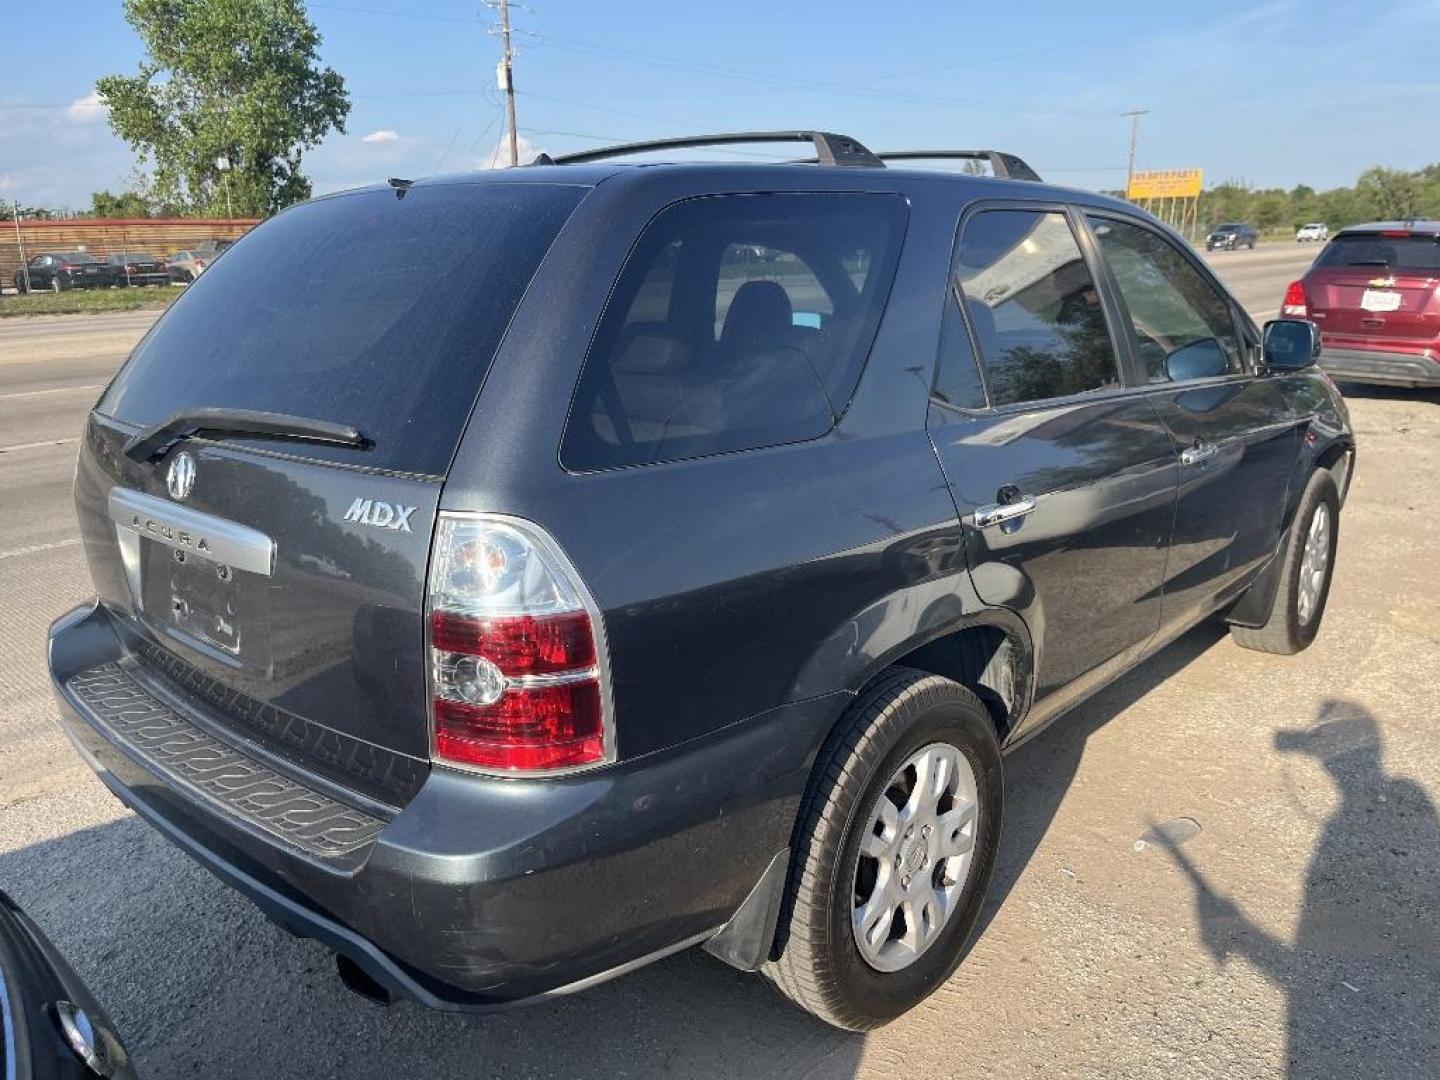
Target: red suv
x,y
1375,293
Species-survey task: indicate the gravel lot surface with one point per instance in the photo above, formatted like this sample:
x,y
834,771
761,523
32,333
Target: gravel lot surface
x,y
1303,939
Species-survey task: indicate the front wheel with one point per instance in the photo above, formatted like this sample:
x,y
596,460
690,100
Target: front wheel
x,y
1305,574
894,851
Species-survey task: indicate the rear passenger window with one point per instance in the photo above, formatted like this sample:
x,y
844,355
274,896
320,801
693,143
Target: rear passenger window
x,y
1183,327
1033,307
738,322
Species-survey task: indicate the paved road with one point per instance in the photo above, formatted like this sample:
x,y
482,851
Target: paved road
x,y
1098,958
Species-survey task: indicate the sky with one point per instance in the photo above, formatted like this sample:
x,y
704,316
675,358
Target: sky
x,y
1272,94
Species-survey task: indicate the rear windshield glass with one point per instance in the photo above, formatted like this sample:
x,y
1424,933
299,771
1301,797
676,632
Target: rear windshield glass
x,y
1392,252
363,309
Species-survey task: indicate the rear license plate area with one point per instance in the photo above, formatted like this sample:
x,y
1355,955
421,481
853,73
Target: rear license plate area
x,y
210,605
1380,300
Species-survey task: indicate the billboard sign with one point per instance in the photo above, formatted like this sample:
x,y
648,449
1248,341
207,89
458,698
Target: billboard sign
x,y
1166,184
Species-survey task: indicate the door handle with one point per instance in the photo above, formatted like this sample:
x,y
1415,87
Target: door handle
x,y
1198,454
995,513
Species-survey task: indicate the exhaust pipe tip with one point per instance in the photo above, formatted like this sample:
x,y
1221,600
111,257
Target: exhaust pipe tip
x,y
358,981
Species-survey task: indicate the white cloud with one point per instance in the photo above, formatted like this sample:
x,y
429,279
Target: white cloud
x,y
499,158
88,109
382,136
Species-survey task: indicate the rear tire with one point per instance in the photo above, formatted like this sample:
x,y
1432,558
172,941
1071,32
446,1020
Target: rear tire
x,y
1304,585
906,723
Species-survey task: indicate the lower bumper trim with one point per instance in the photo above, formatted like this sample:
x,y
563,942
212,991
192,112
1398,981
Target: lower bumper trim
x,y
1374,366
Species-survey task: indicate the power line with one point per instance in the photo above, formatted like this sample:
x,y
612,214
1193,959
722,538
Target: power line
x,y
702,67
694,66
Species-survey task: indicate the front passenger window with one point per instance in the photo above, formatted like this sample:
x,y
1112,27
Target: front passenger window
x,y
1183,328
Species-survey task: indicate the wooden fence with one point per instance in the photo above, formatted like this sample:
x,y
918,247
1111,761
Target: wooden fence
x,y
102,236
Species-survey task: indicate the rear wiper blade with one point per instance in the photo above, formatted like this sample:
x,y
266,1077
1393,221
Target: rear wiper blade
x,y
1368,262
155,440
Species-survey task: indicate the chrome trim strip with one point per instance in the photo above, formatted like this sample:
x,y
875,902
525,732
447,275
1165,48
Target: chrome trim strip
x,y
191,531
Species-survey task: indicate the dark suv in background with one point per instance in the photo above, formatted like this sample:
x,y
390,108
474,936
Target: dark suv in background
x,y
677,569
1232,236
1375,294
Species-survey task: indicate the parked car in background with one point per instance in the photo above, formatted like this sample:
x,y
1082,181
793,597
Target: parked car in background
x,y
1231,236
1375,294
50,1026
136,268
1315,231
614,592
186,265
60,271
212,248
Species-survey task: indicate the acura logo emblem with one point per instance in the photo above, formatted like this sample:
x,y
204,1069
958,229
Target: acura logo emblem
x,y
180,478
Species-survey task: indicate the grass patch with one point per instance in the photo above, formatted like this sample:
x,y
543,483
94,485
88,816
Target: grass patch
x,y
87,301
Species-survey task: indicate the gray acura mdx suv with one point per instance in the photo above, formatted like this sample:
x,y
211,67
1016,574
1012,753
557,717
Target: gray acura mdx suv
x,y
666,554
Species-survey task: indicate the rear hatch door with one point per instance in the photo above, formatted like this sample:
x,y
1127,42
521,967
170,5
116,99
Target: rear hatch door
x,y
1380,286
283,581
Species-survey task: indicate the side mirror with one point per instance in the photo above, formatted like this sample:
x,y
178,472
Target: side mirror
x,y
1291,344
1203,359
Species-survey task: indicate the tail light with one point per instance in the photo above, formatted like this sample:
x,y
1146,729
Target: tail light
x,y
1295,305
518,677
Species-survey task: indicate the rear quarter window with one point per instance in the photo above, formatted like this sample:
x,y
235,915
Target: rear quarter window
x,y
362,309
739,321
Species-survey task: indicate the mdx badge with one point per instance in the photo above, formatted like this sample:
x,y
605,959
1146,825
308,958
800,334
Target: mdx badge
x,y
382,515
180,478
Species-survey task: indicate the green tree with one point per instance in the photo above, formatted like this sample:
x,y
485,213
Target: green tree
x,y
225,81
1392,194
1271,209
128,204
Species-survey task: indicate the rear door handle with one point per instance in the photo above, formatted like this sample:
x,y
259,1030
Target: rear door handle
x,y
1198,454
995,513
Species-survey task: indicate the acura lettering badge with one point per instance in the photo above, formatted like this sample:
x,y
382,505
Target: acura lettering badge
x,y
180,478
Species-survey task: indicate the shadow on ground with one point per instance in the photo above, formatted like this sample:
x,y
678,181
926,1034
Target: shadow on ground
x,y
1369,920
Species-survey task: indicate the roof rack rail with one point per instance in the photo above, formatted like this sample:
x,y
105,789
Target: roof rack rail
x,y
1006,166
830,149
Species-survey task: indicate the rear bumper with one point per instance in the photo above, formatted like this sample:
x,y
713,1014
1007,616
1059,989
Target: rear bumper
x,y
1374,366
482,893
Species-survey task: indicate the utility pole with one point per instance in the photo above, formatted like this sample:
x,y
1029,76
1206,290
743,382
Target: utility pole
x,y
20,244
508,66
1134,115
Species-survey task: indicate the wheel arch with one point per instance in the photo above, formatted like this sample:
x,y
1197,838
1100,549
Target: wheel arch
x,y
990,653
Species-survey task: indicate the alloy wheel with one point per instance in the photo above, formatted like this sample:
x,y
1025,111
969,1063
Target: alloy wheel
x,y
915,856
1314,564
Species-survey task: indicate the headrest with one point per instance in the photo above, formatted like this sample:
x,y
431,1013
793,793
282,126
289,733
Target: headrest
x,y
760,316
